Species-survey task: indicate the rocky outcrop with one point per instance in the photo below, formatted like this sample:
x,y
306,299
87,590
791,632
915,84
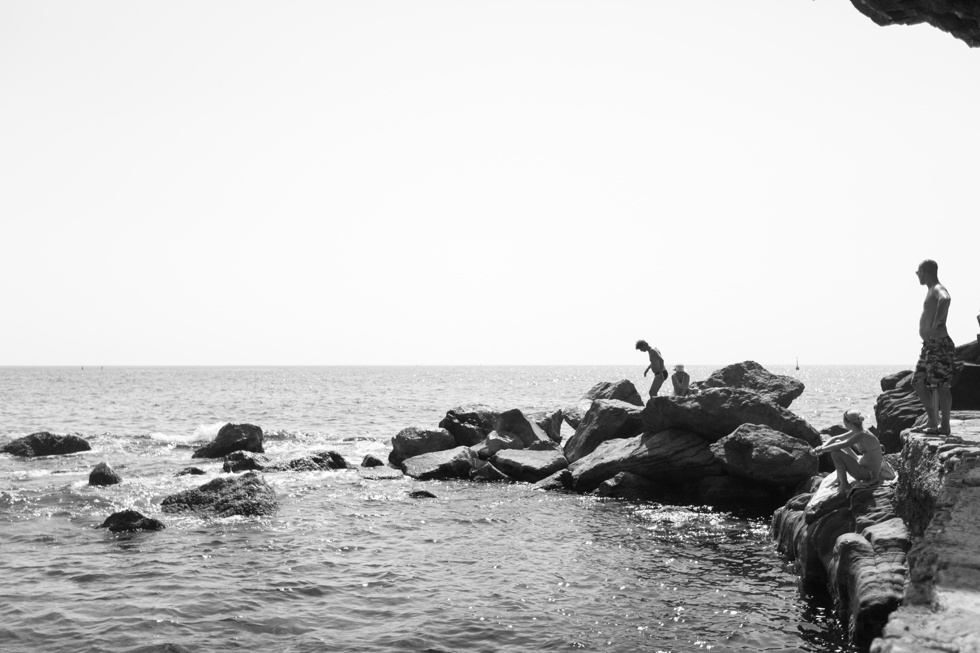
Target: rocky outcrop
x,y
938,495
854,545
318,461
961,18
622,390
440,465
469,425
758,453
247,495
103,475
370,460
244,461
549,422
127,521
529,466
716,412
415,441
232,437
749,375
514,421
45,444
606,419
672,456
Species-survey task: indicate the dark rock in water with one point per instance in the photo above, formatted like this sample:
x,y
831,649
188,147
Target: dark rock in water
x,y
45,444
630,486
716,412
318,461
730,492
758,453
667,457
485,471
514,421
415,441
606,419
102,474
421,494
892,381
244,461
469,425
749,375
370,460
441,465
248,495
192,471
560,480
131,520
623,390
529,466
382,473
232,437
550,423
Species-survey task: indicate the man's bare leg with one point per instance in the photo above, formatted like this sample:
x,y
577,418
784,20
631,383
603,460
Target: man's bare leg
x,y
945,395
658,381
926,397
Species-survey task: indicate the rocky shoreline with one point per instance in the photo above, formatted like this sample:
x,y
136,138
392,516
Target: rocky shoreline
x,y
900,558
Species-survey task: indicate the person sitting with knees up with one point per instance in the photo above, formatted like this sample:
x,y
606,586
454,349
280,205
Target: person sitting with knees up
x,y
856,452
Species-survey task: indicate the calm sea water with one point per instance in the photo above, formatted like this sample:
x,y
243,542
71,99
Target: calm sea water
x,y
356,565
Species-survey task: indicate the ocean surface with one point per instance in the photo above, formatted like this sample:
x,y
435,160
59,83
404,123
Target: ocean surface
x,y
356,565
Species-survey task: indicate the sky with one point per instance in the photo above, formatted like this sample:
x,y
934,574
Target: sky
x,y
471,182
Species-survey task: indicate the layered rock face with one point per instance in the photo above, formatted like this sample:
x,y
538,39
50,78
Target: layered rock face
x,y
961,18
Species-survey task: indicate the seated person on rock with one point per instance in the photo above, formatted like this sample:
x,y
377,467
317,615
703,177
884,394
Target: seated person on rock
x,y
681,381
856,452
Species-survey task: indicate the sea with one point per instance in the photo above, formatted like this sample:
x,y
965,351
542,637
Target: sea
x,y
349,564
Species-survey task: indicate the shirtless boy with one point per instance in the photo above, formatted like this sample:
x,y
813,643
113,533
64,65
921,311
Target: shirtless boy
x,y
934,371
656,366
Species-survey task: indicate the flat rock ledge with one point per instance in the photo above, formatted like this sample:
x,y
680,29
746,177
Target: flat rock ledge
x,y
938,494
900,559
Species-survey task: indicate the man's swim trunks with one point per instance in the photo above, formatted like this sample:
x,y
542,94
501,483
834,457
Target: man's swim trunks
x,y
935,366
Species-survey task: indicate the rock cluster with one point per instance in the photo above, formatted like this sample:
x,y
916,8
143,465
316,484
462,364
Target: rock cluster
x,y
620,448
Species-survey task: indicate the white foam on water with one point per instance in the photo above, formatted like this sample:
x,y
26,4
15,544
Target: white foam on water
x,y
171,438
207,431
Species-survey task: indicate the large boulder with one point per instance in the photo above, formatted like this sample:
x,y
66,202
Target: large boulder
x,y
893,381
232,437
127,521
247,495
415,441
749,375
966,387
103,475
45,444
470,425
622,390
759,453
895,411
607,419
440,465
500,440
666,457
716,412
514,421
549,422
529,466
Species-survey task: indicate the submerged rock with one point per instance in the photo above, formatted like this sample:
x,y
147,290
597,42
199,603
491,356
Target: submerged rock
x,y
191,471
103,475
749,375
370,460
421,494
232,437
244,461
45,444
131,520
247,495
632,487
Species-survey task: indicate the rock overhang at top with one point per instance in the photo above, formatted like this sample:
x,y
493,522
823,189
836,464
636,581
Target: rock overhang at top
x,y
960,18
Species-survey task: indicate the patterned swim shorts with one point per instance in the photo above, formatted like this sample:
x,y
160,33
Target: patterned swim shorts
x,y
935,366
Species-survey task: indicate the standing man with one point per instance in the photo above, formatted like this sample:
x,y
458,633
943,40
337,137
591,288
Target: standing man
x,y
656,366
934,371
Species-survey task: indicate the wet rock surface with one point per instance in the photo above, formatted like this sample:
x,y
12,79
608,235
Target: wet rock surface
x,y
45,444
232,437
247,495
103,475
131,520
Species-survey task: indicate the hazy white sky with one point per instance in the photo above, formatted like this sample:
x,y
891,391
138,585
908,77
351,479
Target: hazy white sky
x,y
479,182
